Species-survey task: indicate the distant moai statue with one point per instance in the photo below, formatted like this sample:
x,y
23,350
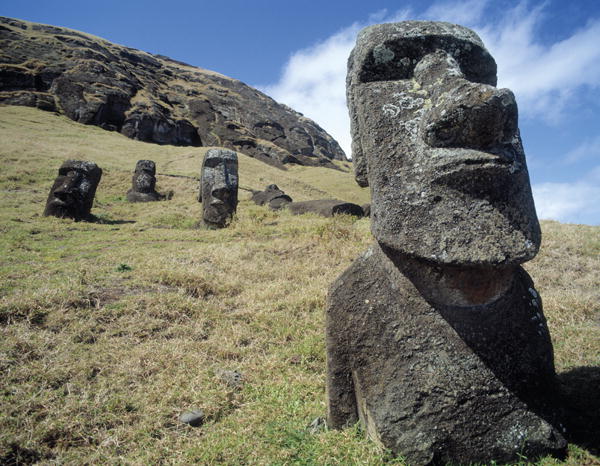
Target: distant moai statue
x,y
436,339
218,187
143,183
72,194
272,196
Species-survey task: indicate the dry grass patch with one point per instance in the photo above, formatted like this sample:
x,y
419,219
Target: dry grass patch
x,y
110,330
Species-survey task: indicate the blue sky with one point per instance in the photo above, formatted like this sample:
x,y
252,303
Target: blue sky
x,y
548,53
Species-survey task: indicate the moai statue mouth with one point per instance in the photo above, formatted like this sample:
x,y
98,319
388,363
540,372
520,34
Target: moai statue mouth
x,y
72,194
436,338
218,187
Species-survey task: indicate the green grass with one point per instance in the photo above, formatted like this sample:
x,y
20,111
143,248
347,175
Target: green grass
x,y
110,330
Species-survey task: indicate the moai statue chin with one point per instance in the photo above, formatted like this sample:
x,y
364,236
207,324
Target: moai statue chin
x,y
143,183
436,339
218,187
72,194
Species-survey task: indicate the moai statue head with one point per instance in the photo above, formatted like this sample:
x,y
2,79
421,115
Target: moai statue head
x,y
219,187
144,177
143,183
439,146
72,193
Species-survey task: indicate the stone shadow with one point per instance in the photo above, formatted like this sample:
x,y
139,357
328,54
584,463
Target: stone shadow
x,y
580,396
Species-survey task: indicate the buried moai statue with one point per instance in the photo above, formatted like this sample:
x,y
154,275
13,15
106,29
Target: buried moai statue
x,y
272,196
436,339
143,183
218,187
72,194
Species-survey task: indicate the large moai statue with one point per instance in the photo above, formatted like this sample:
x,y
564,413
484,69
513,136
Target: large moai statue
x,y
72,194
436,339
218,187
143,183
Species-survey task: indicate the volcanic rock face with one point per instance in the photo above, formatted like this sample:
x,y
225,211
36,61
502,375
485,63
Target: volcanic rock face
x,y
150,97
436,338
72,194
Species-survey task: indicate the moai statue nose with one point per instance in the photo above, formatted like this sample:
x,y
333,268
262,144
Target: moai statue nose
x,y
464,113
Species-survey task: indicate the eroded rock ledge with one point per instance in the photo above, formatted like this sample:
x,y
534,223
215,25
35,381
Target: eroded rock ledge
x,y
151,97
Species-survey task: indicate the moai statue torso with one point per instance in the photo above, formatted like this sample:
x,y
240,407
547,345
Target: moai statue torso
x,y
143,183
218,187
436,339
72,194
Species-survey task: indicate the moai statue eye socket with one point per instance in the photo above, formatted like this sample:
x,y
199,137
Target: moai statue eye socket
x,y
72,193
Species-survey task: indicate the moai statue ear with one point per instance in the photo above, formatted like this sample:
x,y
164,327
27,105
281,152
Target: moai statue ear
x,y
358,160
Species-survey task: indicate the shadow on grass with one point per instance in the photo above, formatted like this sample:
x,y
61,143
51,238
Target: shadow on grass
x,y
107,221
580,389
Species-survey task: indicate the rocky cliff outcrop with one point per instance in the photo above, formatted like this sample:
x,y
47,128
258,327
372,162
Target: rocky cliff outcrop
x,y
151,97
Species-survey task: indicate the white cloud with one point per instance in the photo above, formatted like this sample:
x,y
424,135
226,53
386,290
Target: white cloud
x,y
589,148
569,202
467,12
314,83
544,77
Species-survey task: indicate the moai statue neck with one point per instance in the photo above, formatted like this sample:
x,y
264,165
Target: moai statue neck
x,y
454,285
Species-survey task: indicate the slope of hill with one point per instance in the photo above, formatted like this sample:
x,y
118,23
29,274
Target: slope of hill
x,y
110,330
151,98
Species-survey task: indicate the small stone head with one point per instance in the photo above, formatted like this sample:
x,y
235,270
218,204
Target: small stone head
x,y
439,146
219,187
72,193
144,177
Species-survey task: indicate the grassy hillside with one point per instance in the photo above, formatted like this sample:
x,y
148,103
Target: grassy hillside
x,y
110,330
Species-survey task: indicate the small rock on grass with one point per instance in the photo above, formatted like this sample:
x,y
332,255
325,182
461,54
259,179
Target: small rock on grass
x,y
194,418
317,425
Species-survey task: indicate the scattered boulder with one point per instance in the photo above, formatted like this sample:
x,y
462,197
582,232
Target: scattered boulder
x,y
143,183
436,338
194,418
272,196
233,379
72,194
218,187
325,208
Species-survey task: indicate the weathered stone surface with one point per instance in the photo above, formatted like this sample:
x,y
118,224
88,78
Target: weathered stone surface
x,y
151,97
233,379
272,196
218,187
436,338
143,183
194,418
325,208
443,146
463,380
72,194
